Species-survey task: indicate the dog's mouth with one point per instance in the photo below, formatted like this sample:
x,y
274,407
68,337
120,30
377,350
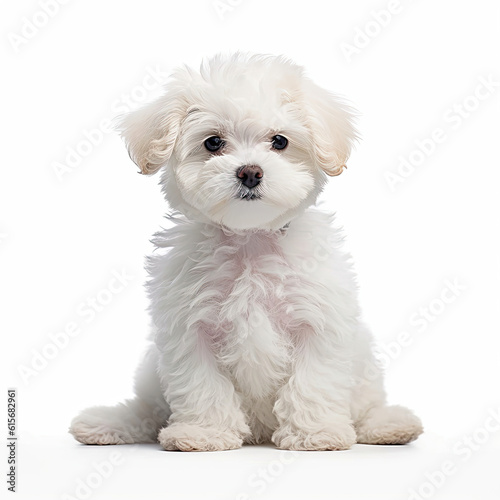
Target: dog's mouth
x,y
245,193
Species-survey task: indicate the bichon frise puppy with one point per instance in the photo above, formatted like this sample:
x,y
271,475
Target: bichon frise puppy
x,y
256,325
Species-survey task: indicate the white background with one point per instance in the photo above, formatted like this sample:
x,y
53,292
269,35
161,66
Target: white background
x,y
62,236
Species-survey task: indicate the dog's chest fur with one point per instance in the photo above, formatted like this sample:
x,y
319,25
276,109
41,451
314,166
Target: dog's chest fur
x,y
253,337
246,298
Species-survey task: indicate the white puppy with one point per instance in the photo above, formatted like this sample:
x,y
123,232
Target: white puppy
x,y
256,334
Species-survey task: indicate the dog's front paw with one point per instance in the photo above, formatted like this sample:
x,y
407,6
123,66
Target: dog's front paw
x,y
339,438
187,437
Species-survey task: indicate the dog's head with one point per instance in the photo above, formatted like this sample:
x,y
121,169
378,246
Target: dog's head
x,y
244,143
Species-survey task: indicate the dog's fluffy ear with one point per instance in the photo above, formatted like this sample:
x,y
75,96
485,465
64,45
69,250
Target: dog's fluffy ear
x,y
151,131
332,128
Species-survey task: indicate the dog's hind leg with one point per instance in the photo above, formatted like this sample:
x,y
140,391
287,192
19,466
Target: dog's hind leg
x,y
136,420
374,421
129,422
388,425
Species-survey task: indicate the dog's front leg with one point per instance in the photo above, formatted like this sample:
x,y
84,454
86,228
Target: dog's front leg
x,y
313,406
206,414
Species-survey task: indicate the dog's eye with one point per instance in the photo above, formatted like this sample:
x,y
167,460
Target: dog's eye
x,y
214,143
279,142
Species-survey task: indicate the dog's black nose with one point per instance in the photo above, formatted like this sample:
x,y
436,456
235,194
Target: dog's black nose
x,y
250,175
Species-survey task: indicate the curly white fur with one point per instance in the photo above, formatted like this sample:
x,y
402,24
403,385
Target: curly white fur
x,y
256,330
